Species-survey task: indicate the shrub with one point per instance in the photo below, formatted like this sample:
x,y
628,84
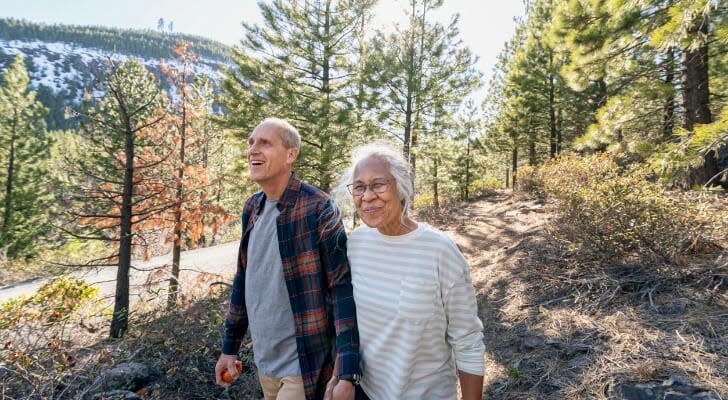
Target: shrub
x,y
53,301
617,213
482,187
529,179
423,201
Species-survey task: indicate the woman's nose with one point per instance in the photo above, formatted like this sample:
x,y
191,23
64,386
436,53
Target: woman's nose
x,y
368,194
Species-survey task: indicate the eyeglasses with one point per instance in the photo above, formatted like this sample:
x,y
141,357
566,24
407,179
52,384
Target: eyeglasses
x,y
358,189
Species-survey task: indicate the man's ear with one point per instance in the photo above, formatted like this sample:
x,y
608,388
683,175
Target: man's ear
x,y
292,154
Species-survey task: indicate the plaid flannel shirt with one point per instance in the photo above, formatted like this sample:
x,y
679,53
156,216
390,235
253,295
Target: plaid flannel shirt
x,y
312,243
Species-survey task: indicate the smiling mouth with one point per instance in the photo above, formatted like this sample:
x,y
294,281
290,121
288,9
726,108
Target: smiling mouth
x,y
256,163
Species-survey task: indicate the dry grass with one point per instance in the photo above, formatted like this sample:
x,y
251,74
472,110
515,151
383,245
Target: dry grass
x,y
61,360
563,325
559,323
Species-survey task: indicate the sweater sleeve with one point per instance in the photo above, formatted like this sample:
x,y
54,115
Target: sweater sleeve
x,y
464,328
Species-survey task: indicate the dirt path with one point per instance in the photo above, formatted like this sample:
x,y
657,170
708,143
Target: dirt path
x,y
487,231
561,327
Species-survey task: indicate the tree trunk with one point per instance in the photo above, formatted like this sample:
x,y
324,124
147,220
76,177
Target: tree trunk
x,y
668,113
696,99
602,95
558,132
173,289
552,108
120,319
467,171
7,213
407,129
327,148
514,165
532,147
436,182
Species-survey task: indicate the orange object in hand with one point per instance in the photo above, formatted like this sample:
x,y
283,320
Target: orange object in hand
x,y
226,377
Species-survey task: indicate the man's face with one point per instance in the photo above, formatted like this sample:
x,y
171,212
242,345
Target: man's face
x,y
268,158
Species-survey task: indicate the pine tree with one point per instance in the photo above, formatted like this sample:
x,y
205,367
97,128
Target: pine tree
x,y
411,66
193,186
297,66
119,185
24,150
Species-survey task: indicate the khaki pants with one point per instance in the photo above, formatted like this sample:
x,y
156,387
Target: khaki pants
x,y
286,388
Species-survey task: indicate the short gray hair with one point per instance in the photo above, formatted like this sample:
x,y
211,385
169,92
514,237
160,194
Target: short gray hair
x,y
395,162
289,134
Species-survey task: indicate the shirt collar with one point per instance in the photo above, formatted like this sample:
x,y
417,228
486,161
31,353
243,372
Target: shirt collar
x,y
289,197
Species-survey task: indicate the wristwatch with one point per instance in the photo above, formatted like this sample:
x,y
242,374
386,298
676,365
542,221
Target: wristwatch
x,y
353,378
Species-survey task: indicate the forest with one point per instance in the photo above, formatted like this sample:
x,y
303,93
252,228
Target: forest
x,y
613,114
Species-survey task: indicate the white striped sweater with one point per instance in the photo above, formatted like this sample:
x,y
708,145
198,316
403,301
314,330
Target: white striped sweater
x,y
416,312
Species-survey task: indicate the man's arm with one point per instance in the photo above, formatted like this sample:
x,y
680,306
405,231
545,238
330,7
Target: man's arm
x,y
236,322
332,249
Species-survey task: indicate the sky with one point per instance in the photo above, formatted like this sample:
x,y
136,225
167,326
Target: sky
x,y
485,25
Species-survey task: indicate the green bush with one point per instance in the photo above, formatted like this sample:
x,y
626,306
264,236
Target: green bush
x,y
54,300
617,214
481,187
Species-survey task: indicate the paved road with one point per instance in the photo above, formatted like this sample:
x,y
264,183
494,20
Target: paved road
x,y
218,260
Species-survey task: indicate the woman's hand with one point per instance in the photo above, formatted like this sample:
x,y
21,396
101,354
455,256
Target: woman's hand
x,y
339,390
329,393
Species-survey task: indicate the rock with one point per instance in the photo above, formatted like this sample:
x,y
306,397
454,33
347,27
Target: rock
x,y
675,307
117,395
531,342
579,363
674,388
570,349
122,378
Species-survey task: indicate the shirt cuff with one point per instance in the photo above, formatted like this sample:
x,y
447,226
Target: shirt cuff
x,y
348,364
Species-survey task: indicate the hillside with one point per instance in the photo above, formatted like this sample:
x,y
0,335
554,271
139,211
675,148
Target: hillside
x,y
63,60
559,326
555,327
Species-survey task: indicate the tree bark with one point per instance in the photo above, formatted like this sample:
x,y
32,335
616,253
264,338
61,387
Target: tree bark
x,y
120,319
668,114
559,137
514,165
435,182
696,98
7,213
552,109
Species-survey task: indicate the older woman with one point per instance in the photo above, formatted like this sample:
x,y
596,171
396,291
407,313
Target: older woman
x,y
416,308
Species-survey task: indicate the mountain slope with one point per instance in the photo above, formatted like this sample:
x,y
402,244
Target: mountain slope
x,y
64,60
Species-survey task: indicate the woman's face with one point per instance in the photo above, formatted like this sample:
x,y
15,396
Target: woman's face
x,y
378,210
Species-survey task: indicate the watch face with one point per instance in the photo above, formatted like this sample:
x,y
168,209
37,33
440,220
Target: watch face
x,y
353,378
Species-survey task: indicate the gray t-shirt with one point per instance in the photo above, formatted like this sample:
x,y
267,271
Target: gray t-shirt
x,y
266,299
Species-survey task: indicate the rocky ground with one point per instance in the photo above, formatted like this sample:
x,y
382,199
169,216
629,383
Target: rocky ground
x,y
562,326
559,324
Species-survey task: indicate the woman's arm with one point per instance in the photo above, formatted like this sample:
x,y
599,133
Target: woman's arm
x,y
471,386
464,328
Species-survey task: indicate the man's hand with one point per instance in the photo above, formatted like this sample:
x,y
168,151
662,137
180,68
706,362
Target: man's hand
x,y
339,390
226,362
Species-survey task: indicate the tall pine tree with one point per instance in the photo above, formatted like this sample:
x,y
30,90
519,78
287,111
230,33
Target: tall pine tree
x,y
24,151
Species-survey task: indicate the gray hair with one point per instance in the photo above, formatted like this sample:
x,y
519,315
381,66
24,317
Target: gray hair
x,y
395,162
289,134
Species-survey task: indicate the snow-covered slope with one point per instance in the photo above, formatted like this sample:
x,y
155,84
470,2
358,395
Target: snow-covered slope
x,y
61,72
64,66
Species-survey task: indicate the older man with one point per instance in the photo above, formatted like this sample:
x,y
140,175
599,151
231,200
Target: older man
x,y
293,284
